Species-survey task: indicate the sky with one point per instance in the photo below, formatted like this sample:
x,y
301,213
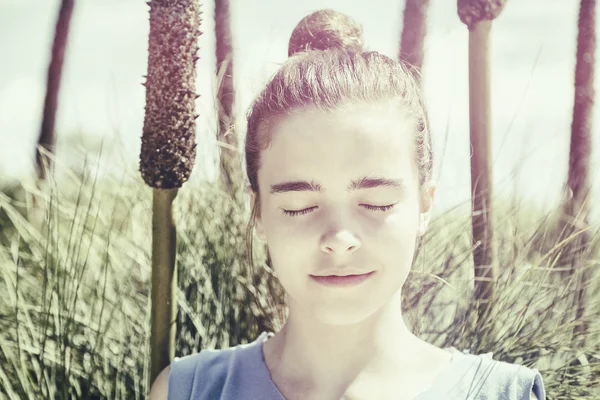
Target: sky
x,y
102,100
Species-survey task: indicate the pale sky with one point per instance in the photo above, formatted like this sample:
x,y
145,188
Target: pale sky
x,y
533,59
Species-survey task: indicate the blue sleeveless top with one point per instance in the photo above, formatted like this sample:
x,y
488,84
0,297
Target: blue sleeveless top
x,y
240,373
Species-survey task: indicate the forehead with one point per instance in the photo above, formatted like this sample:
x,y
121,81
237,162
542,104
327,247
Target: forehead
x,y
374,138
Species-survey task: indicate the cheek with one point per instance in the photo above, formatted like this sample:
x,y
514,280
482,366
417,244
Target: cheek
x,y
404,223
281,229
285,239
396,239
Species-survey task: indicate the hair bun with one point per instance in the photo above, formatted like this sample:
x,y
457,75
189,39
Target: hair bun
x,y
326,29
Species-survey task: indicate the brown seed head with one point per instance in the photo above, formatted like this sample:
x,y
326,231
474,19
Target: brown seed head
x,y
168,140
471,12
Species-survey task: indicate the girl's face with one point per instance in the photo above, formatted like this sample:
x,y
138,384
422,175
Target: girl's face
x,y
323,208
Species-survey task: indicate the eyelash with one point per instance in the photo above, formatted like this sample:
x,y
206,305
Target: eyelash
x,y
368,207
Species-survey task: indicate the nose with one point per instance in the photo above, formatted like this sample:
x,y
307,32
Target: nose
x,y
340,242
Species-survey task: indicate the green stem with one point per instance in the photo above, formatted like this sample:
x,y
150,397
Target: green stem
x,y
164,281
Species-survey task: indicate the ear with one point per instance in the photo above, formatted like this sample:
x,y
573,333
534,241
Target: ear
x,y
426,205
258,226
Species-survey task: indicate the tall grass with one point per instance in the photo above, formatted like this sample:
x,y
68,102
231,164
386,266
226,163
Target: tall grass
x,y
74,310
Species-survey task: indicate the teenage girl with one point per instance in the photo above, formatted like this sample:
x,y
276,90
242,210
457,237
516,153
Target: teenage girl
x,y
339,162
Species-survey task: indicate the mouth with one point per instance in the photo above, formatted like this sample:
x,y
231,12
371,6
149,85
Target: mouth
x,y
342,280
342,272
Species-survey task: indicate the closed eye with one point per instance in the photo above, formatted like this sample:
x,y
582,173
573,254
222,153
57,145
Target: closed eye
x,y
378,208
293,213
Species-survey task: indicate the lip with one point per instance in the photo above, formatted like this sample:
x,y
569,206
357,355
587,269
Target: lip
x,y
346,280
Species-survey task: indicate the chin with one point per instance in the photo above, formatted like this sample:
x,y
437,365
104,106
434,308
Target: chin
x,y
343,320
342,312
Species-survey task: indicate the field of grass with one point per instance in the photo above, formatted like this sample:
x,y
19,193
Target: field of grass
x,y
75,308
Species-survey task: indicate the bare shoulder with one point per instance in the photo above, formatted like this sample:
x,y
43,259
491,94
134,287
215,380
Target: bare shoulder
x,y
160,386
533,396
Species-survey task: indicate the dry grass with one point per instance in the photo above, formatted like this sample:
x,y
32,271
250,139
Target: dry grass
x,y
74,317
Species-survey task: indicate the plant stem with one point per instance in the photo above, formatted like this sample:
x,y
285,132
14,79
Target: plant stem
x,y
164,281
481,185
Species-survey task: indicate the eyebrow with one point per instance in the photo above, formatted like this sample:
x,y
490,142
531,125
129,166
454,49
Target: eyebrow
x,y
362,183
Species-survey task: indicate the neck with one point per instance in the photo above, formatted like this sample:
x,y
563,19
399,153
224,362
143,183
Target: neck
x,y
311,351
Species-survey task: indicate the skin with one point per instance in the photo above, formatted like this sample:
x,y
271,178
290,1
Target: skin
x,y
344,343
354,340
